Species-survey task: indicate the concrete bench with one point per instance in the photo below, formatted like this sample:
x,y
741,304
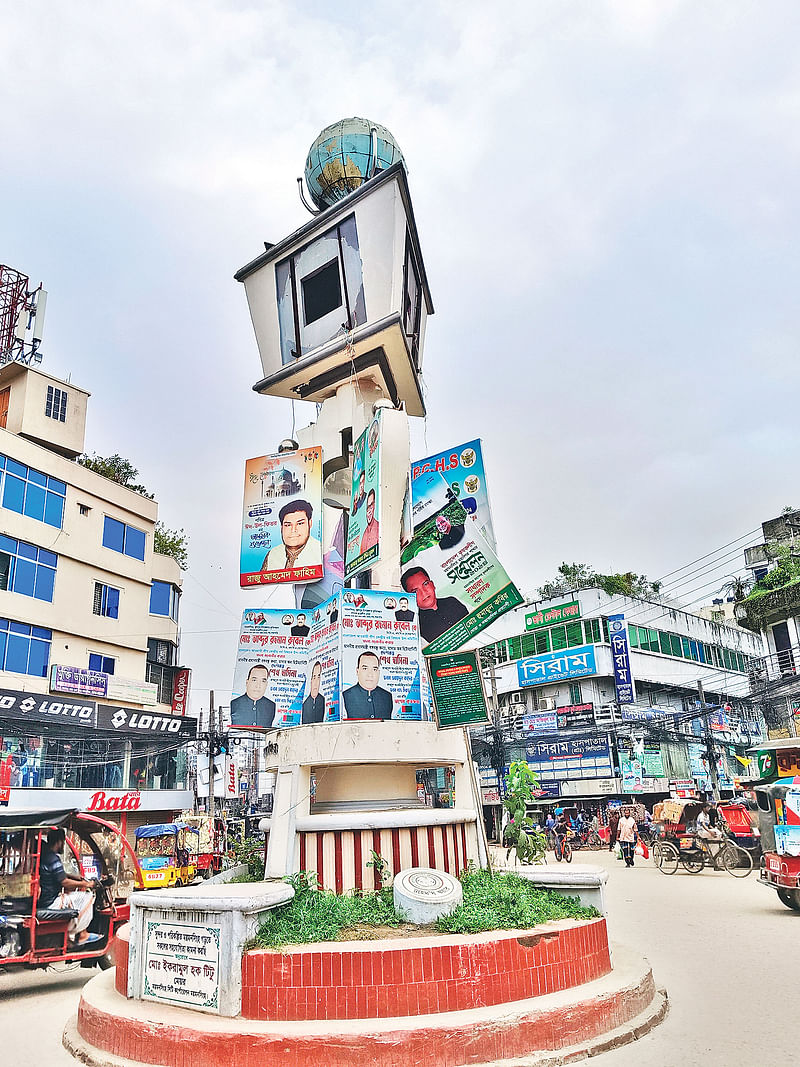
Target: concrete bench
x,y
583,880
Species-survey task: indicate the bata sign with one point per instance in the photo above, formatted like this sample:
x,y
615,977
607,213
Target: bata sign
x,y
103,801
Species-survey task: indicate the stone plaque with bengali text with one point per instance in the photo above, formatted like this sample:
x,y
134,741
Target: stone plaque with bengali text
x,y
181,965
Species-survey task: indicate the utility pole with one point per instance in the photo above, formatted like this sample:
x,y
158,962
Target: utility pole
x,y
711,751
212,736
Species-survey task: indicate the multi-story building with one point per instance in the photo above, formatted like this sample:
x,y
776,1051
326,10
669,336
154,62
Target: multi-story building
x,y
550,666
91,714
772,609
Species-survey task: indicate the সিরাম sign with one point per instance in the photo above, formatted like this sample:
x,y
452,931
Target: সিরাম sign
x,y
556,666
181,965
550,616
620,658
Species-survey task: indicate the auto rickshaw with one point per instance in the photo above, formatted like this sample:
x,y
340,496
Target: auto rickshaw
x,y
212,844
31,936
779,822
167,854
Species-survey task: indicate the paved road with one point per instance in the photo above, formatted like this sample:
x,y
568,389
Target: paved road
x,y
724,947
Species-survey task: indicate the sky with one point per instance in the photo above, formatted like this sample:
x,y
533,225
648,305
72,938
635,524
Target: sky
x,y
606,195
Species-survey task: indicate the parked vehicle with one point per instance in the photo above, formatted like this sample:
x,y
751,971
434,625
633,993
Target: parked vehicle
x,y
779,822
739,821
212,842
32,936
167,854
679,843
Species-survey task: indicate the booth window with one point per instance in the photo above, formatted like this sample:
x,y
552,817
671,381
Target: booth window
x,y
322,292
24,649
32,493
106,601
120,537
412,300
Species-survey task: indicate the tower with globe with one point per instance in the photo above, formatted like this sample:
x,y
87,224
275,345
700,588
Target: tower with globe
x,y
339,308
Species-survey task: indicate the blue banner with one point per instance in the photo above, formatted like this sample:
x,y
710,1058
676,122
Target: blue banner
x,y
620,657
556,666
594,748
646,714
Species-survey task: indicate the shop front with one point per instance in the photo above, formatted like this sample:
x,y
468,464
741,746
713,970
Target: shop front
x,y
127,765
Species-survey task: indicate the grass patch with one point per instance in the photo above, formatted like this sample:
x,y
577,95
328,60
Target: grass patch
x,y
491,902
508,902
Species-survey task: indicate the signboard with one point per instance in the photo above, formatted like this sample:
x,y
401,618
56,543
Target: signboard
x,y
363,528
645,714
556,666
574,715
460,585
88,715
131,690
180,691
632,775
282,519
653,762
620,657
592,787
683,788
546,790
226,777
491,796
457,689
356,656
181,965
571,758
462,468
550,616
540,723
78,680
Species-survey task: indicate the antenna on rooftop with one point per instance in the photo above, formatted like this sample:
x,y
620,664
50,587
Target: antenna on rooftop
x,y
21,318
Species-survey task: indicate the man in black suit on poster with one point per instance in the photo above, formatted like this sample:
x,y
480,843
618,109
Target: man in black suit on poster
x,y
253,709
366,699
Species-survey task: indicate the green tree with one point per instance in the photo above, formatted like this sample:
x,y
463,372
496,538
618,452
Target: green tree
x,y
572,576
119,470
172,543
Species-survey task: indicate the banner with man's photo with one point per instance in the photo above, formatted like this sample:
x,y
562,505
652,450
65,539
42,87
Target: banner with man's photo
x,y
357,656
363,528
460,585
462,468
282,519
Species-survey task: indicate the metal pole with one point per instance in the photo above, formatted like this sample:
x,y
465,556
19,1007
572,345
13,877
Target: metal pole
x,y
711,752
211,742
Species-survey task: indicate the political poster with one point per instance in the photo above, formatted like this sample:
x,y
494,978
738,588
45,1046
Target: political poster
x,y
463,470
632,775
357,656
460,585
316,593
271,667
282,519
363,528
380,657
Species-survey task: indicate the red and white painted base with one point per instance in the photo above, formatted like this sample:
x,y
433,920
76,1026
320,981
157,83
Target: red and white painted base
x,y
551,1028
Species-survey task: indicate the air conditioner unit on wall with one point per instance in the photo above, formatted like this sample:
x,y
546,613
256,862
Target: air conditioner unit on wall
x,y
547,703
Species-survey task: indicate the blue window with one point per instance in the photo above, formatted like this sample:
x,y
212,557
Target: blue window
x,y
120,537
24,649
164,599
56,404
29,492
106,600
105,664
27,569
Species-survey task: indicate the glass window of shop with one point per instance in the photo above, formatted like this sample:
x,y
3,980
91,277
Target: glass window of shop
x,y
83,763
157,765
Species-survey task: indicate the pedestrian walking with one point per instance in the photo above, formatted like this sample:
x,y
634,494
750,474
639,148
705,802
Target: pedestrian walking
x,y
613,823
627,834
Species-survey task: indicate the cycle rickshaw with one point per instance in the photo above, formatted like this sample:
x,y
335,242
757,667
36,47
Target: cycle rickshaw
x,y
679,843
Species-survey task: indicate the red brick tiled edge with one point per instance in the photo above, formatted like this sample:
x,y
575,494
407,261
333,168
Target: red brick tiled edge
x,y
423,976
518,1030
120,952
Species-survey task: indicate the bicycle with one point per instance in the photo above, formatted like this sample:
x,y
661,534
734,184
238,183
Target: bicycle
x,y
563,849
695,854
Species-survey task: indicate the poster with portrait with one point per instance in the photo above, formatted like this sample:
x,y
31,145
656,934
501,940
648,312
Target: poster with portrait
x,y
380,656
282,519
269,680
363,529
460,585
463,472
321,693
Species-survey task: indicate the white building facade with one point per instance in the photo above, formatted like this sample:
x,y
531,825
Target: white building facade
x,y
92,693
550,665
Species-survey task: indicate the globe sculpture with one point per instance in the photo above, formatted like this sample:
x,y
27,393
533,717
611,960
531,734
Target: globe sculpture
x,y
341,159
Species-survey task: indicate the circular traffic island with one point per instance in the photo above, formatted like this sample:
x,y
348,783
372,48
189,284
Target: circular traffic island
x,y
408,994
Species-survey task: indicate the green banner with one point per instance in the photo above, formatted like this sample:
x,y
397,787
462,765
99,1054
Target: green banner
x,y
550,616
478,620
457,689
